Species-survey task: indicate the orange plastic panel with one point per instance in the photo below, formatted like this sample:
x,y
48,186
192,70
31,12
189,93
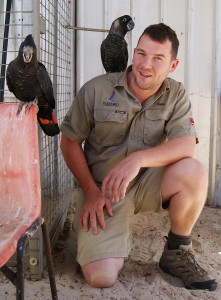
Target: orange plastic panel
x,y
20,194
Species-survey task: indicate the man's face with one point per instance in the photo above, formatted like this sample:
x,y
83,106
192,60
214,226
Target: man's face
x,y
152,62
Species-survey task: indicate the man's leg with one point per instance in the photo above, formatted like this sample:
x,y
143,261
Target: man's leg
x,y
185,185
101,256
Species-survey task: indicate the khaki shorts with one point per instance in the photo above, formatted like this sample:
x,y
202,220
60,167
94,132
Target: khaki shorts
x,y
116,239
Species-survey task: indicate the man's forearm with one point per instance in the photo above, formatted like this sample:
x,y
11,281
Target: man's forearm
x,y
117,180
167,153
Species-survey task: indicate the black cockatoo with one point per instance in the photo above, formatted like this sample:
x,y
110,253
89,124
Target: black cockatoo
x,y
114,52
29,81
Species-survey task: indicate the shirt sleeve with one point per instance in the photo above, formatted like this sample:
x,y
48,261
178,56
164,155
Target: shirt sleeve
x,y
78,121
181,122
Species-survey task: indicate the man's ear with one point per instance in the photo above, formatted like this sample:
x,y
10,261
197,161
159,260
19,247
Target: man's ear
x,y
174,65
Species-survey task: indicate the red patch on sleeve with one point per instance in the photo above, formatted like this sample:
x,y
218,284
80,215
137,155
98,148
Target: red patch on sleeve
x,y
191,120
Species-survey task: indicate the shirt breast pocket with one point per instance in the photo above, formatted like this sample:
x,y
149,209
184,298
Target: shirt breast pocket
x,y
154,127
110,127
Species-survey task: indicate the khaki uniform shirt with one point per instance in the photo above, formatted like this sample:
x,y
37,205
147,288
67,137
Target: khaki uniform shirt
x,y
113,123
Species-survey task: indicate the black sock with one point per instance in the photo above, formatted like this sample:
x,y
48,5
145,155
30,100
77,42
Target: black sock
x,y
174,240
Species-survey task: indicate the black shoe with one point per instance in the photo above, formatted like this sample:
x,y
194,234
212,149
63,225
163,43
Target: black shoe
x,y
181,263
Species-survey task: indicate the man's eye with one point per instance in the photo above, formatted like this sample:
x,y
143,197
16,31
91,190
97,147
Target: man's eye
x,y
158,58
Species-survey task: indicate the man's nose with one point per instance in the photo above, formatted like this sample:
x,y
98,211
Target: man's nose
x,y
148,62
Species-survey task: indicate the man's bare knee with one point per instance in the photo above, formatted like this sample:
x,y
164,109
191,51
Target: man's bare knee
x,y
101,279
185,174
102,273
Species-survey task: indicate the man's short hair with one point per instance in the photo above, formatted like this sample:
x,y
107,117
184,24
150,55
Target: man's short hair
x,y
160,33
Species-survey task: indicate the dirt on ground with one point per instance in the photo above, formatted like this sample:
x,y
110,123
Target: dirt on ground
x,y
140,278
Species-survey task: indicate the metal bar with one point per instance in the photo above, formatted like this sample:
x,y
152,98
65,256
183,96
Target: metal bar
x,y
4,51
36,263
214,190
11,275
49,260
20,258
15,11
14,25
55,90
85,28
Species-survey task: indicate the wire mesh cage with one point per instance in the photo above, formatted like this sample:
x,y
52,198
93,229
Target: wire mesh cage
x,y
45,20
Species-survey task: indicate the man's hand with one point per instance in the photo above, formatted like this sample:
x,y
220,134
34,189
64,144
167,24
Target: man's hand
x,y
93,211
117,180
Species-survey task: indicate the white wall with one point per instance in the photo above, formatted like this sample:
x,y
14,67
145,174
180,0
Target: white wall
x,y
197,25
